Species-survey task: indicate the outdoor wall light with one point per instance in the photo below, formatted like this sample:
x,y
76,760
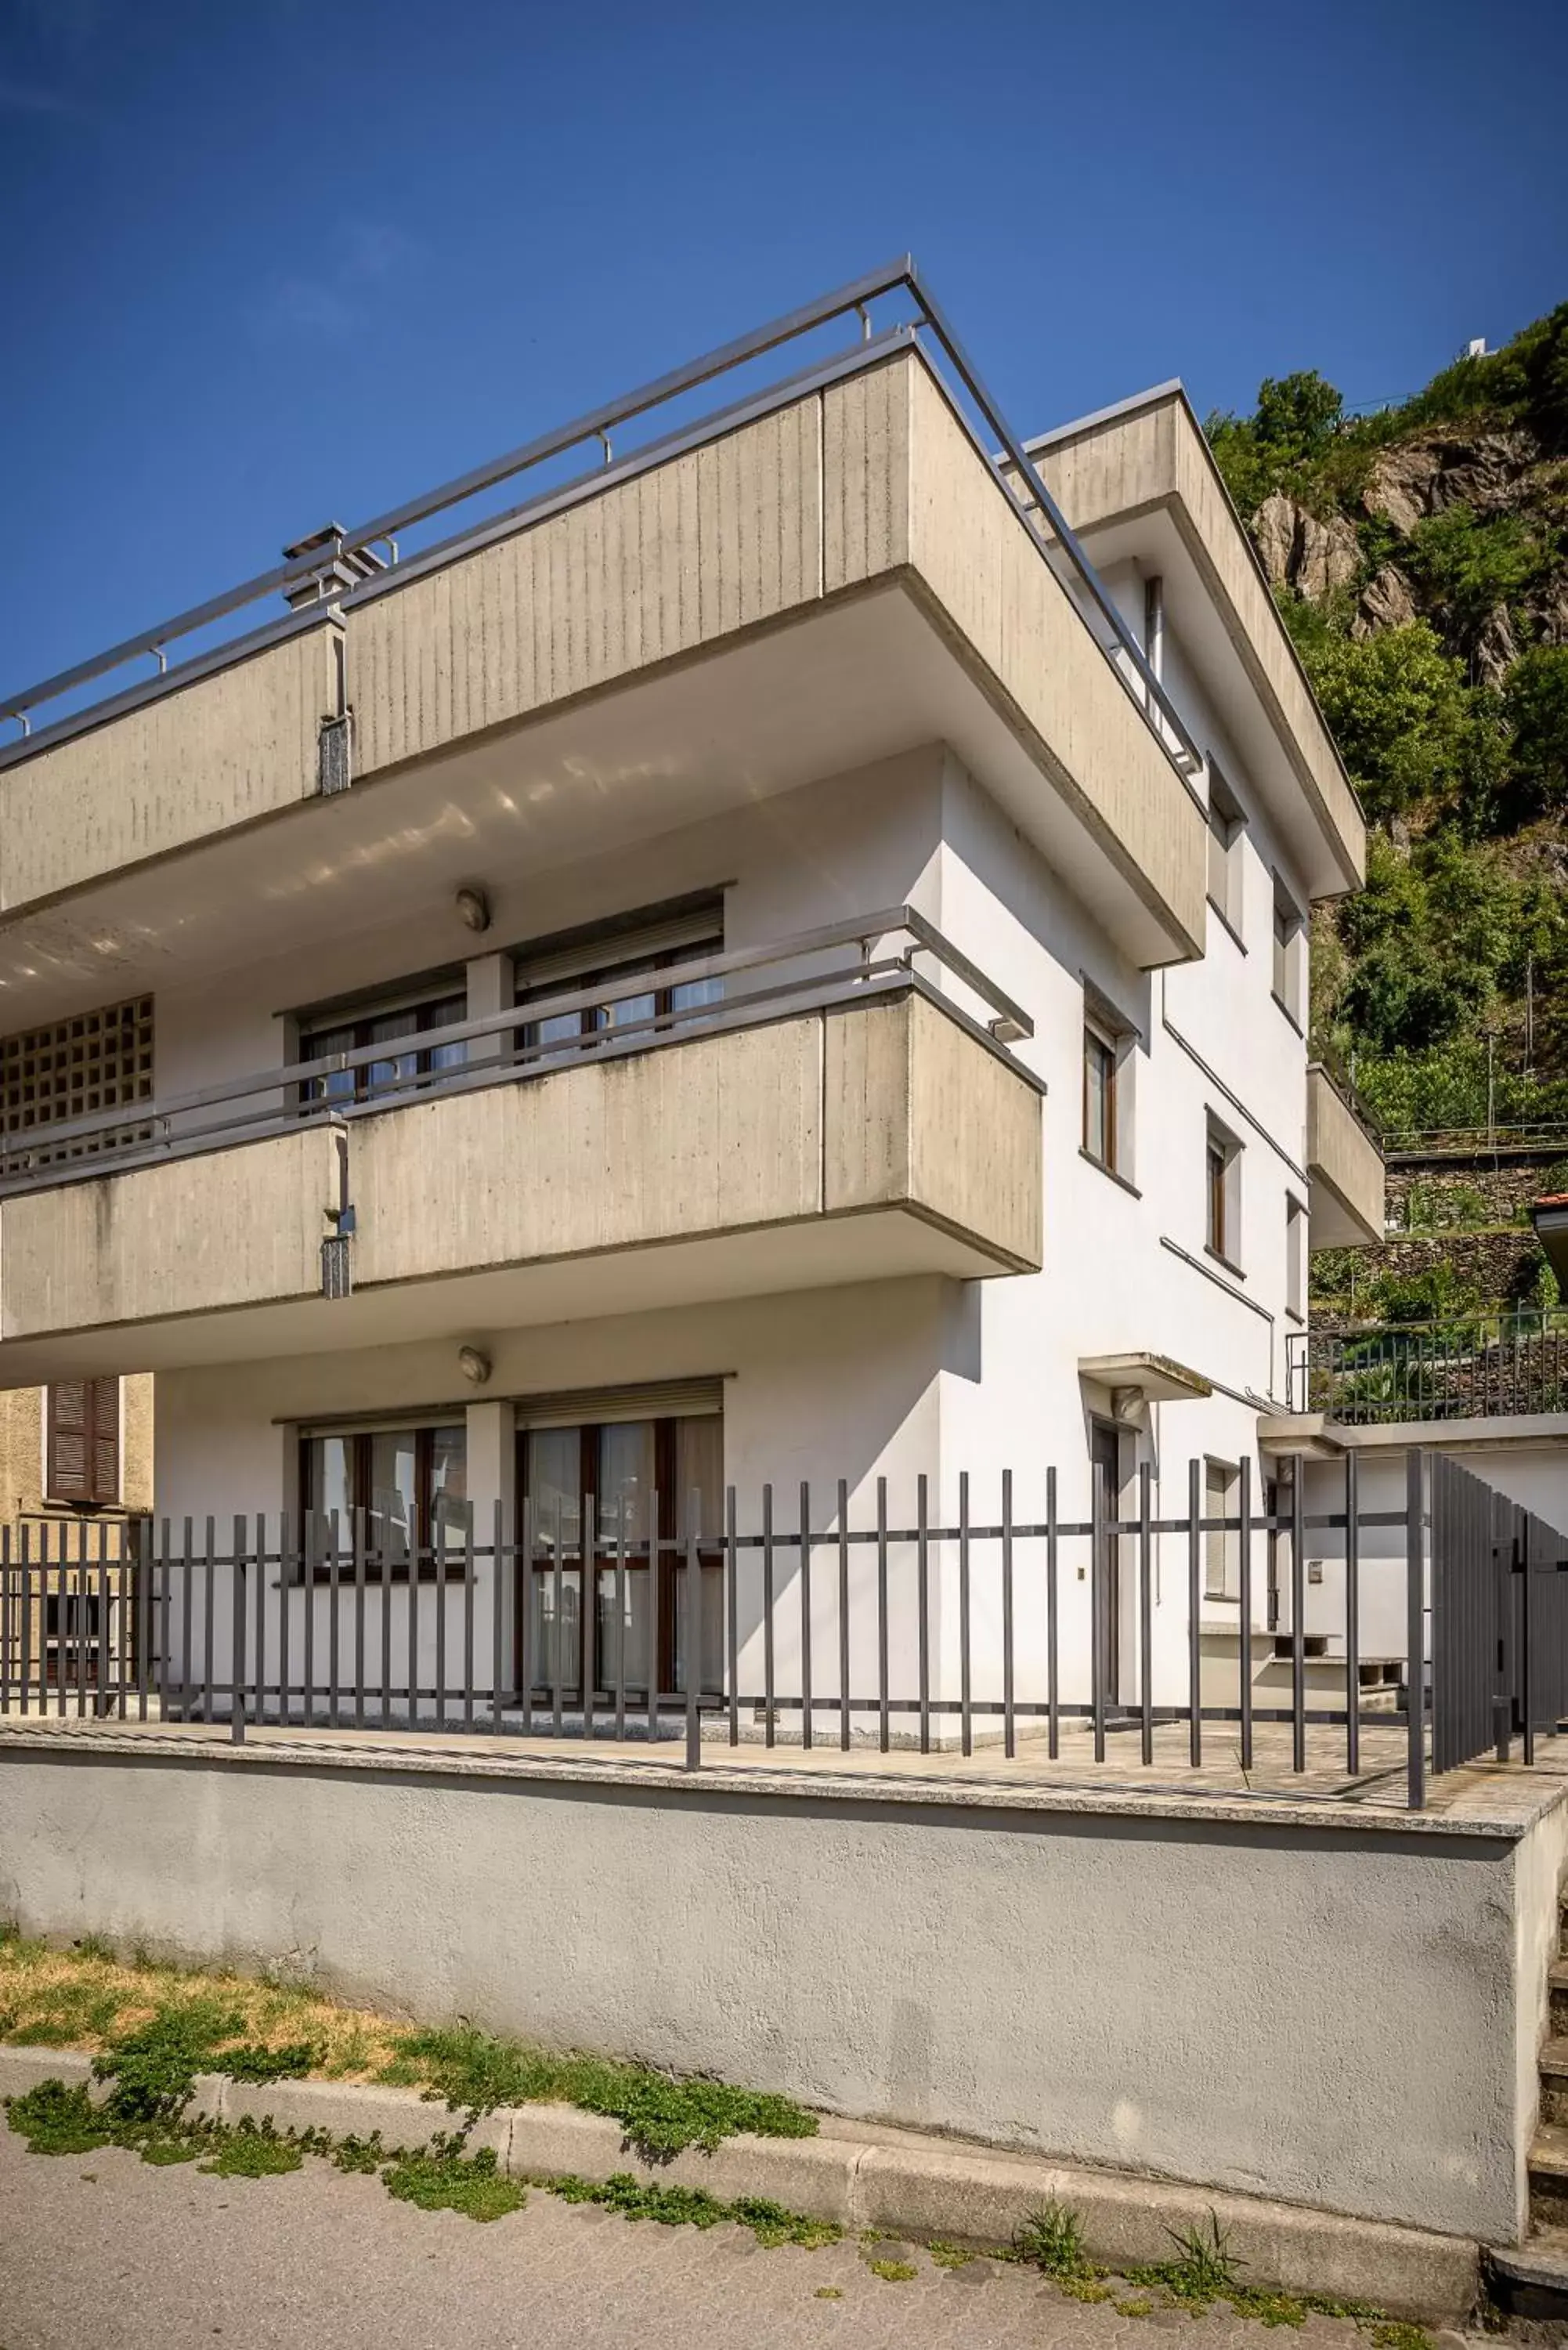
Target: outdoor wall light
x,y
473,909
473,1365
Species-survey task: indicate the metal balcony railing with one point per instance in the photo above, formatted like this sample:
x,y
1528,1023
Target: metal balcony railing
x,y
1470,1367
872,954
338,565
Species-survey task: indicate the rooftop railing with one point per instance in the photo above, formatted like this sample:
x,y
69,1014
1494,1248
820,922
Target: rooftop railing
x,y
1470,1367
340,566
844,963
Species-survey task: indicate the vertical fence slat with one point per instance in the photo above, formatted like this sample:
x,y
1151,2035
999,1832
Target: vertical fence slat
x,y
1146,1611
1100,1540
1298,1614
497,1612
358,1541
694,1643
1053,1687
731,1622
587,1612
237,1621
1195,1613
844,1614
1008,1722
768,1733
1244,1593
525,1620
966,1693
334,1628
1351,1619
558,1603
922,1581
882,1692
1415,1627
804,1556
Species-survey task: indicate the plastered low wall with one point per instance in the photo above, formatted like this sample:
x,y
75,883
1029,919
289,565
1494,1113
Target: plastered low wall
x,y
1330,2015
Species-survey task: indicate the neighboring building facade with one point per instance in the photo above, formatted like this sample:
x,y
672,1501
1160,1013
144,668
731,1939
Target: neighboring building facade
x,y
76,1467
961,1117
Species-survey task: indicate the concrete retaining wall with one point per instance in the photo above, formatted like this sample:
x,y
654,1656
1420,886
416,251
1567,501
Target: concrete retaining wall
x,y
1330,2015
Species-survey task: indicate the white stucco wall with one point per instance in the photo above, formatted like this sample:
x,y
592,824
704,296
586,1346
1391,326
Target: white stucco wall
x,y
1327,2015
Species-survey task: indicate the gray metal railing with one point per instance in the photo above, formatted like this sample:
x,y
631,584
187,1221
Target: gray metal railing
x,y
1471,1366
816,1621
329,566
876,954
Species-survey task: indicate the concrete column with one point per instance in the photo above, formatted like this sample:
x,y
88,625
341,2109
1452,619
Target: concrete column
x,y
491,986
489,1463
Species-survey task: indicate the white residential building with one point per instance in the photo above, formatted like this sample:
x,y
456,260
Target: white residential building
x,y
691,752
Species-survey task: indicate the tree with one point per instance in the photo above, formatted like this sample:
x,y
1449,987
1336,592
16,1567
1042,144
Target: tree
x,y
1396,705
1535,698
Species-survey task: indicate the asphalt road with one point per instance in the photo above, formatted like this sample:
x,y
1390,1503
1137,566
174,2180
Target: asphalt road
x,y
103,2249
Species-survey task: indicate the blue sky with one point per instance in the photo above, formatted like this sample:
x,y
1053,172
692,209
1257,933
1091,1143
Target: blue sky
x,y
267,262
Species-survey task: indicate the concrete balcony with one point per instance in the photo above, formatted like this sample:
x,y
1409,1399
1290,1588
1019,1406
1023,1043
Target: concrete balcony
x,y
832,574
846,1125
1345,1169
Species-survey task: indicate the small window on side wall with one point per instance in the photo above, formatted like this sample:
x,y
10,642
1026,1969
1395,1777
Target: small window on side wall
x,y
1290,954
82,1446
1225,828
1222,1195
1295,1258
1099,1097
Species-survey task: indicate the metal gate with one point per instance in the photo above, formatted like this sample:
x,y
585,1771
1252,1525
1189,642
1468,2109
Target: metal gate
x,y
1500,1620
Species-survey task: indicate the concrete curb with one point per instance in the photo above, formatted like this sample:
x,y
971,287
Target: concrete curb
x,y
895,2180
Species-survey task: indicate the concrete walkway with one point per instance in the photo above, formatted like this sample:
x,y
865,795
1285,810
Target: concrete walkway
x,y
104,2248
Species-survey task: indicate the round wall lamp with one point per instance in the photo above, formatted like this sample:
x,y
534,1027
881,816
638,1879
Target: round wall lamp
x,y
473,1365
473,909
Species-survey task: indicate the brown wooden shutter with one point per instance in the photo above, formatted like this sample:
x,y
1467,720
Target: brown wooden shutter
x,y
84,1442
70,1440
105,1458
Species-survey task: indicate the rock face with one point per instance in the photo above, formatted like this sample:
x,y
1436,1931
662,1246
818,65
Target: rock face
x,y
1495,650
1298,551
1385,603
1424,477
1274,536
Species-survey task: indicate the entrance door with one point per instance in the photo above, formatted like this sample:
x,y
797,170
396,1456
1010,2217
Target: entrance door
x,y
1104,1462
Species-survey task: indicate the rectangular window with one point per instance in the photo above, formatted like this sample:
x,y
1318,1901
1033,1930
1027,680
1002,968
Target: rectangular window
x,y
1225,829
641,1476
635,949
82,1442
1100,1098
399,1028
1295,1258
1222,1195
1289,944
410,1483
1222,1545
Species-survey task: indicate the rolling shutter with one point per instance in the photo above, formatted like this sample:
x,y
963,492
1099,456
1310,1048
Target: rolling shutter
x,y
83,1456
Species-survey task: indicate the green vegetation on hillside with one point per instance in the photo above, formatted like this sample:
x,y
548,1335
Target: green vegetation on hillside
x,y
1420,560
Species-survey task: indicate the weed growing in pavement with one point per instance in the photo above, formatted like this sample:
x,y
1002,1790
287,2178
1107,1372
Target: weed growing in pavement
x,y
660,2116
252,2150
445,2179
893,2272
950,2256
676,2206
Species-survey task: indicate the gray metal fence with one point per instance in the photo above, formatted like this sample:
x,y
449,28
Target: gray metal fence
x,y
1471,1366
815,1623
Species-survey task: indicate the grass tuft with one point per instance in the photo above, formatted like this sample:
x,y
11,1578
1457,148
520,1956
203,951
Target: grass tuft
x,y
254,2151
444,2178
1052,2238
1202,2269
893,2272
55,2119
677,2207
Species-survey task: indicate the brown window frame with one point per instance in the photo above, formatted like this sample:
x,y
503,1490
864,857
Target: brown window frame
x,y
669,1529
451,1005
378,1569
1095,1042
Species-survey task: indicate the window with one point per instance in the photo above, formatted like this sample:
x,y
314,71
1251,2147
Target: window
x,y
1289,955
1225,828
81,1067
1222,1545
630,949
82,1442
397,1025
1099,1097
625,1467
1222,1195
1295,1258
411,1483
